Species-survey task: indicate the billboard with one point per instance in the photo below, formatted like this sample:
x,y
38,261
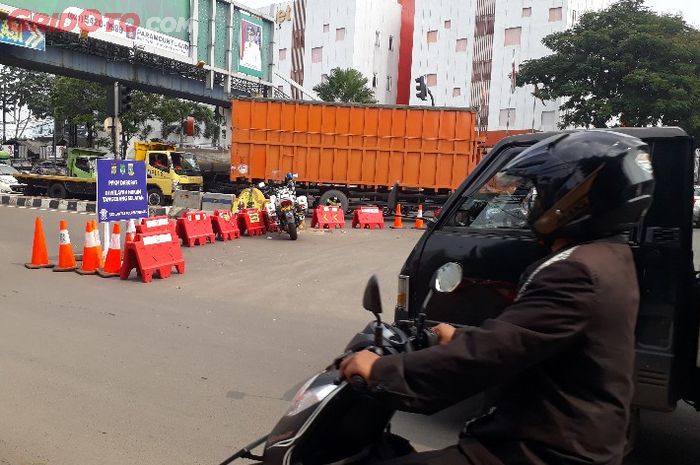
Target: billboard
x,y
251,44
169,18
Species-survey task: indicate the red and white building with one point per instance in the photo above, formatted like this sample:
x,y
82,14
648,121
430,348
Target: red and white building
x,y
468,50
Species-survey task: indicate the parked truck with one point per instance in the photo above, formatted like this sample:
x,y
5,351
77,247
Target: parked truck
x,y
354,152
167,169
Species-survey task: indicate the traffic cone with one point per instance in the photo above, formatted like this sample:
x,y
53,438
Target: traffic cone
x,y
398,218
130,231
66,259
419,218
91,258
96,232
40,255
113,263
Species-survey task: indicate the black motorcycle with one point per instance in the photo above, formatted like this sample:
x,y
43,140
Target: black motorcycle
x,y
334,421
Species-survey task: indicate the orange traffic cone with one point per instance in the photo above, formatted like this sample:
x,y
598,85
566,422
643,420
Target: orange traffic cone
x,y
66,259
96,232
91,258
130,231
419,218
40,255
398,218
113,263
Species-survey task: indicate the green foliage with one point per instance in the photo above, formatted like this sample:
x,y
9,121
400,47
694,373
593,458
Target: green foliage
x,y
624,64
22,90
171,112
347,86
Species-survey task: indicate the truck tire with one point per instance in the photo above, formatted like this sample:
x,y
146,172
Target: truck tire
x,y
292,230
57,191
344,202
155,197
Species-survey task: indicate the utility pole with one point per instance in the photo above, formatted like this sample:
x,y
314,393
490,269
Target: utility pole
x,y
115,118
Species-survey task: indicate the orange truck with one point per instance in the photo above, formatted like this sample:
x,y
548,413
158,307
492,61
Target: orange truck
x,y
356,153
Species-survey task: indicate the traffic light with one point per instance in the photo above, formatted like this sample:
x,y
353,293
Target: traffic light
x,y
124,99
421,88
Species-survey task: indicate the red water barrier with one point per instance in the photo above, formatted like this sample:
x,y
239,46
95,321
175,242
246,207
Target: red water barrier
x,y
328,217
368,217
225,225
194,228
251,221
151,253
159,224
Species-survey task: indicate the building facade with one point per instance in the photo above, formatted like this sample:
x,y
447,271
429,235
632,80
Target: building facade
x,y
470,50
314,36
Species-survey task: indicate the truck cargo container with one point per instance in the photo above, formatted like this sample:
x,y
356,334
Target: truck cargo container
x,y
357,153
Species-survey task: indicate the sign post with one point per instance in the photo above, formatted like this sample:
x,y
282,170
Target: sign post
x,y
122,192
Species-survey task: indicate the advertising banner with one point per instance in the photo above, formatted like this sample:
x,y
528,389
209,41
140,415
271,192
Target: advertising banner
x,y
251,45
21,34
122,193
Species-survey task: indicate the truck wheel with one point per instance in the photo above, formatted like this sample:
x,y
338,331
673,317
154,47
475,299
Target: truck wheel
x,y
155,197
57,191
292,230
344,202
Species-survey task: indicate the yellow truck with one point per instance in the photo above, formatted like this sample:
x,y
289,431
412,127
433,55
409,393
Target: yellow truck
x,y
167,169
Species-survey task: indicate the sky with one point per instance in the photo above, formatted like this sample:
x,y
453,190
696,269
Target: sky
x,y
690,9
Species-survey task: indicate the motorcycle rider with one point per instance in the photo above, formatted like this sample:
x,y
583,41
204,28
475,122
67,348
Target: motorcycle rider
x,y
563,351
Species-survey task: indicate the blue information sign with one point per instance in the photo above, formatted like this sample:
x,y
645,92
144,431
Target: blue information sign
x,y
122,193
22,34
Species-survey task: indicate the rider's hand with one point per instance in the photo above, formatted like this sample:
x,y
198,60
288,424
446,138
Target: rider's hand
x,y
359,363
444,332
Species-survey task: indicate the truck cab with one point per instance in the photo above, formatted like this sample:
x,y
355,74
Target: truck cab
x,y
82,163
495,245
167,169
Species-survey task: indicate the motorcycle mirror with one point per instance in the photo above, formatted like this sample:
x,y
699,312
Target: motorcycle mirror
x,y
372,300
448,277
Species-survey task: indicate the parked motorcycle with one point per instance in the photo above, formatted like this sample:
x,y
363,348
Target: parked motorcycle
x,y
285,211
334,421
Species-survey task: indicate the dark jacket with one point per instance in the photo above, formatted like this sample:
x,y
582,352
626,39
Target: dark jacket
x,y
563,351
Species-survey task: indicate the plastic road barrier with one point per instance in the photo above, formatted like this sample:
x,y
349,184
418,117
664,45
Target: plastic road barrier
x,y
150,253
251,221
194,228
368,217
225,225
328,217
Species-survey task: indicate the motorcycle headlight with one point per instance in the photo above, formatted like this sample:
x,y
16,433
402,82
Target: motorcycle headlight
x,y
308,397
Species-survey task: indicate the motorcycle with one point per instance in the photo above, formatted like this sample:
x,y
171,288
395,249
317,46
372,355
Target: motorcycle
x,y
285,211
333,421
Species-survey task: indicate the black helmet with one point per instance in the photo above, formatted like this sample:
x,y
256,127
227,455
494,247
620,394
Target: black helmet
x,y
587,184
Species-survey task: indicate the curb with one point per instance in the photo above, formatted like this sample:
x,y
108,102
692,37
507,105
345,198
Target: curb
x,y
80,206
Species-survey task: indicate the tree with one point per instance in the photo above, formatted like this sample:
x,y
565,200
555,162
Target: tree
x,y
345,85
23,96
79,103
171,112
624,65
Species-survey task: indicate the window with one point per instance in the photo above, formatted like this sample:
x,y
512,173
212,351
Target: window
x,y
548,120
431,80
283,54
326,27
456,92
316,54
377,39
512,36
448,24
574,16
527,12
340,34
461,45
374,81
391,42
432,37
497,206
280,88
324,78
389,82
554,14
507,117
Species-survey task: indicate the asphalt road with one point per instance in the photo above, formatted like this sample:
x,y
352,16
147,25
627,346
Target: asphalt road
x,y
185,370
